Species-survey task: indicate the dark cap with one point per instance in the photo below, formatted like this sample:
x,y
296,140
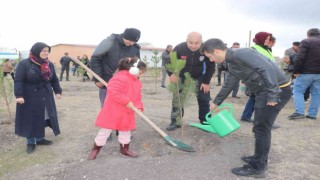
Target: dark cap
x,y
132,34
296,43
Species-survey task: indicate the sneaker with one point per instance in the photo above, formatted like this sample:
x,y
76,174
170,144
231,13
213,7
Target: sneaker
x,y
248,159
236,97
248,171
31,148
163,86
247,120
218,84
172,127
44,142
310,117
296,116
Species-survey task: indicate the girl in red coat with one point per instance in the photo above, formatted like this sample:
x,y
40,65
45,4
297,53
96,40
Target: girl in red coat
x,y
124,91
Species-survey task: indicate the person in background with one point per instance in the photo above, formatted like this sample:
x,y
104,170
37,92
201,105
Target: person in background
x,y
84,72
75,67
272,91
35,83
8,68
288,59
235,90
65,65
124,92
262,45
272,42
307,72
107,54
189,51
165,56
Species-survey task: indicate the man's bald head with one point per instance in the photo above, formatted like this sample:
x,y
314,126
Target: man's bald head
x,y
194,41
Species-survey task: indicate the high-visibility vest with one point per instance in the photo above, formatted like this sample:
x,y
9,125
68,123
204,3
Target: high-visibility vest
x,y
264,52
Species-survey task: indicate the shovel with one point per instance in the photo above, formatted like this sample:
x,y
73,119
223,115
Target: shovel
x,y
175,143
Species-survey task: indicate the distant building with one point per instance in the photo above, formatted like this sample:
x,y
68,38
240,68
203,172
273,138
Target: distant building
x,y
74,50
9,55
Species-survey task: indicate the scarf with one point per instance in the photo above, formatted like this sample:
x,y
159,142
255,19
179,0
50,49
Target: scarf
x,y
44,66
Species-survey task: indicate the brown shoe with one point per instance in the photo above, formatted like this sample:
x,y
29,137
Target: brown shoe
x,y
94,152
124,149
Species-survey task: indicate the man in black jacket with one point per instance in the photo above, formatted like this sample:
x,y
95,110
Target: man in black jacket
x,y
107,54
307,72
165,56
65,65
189,51
263,78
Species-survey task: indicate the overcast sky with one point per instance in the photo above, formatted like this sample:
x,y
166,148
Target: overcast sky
x,y
24,22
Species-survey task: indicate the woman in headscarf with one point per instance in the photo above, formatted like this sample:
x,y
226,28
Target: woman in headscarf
x,y
34,85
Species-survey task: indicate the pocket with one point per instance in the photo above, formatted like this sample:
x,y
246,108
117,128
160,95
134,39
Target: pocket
x,y
255,83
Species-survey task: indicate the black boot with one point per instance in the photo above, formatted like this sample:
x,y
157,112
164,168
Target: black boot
x,y
249,159
31,148
248,171
44,142
173,125
94,152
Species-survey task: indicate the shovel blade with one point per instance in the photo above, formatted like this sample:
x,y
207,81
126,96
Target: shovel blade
x,y
180,145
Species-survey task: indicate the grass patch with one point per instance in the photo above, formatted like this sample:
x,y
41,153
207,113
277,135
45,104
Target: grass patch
x,y
17,160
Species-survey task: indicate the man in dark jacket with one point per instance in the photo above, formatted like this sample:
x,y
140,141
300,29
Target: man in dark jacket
x,y
107,54
307,72
189,51
165,56
263,78
65,65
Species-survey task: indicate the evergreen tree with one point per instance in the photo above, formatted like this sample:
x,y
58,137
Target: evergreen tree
x,y
185,88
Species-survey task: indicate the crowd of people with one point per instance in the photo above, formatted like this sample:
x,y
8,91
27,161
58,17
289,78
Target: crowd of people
x,y
117,61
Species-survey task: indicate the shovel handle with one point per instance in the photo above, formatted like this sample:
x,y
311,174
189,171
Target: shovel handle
x,y
91,72
145,118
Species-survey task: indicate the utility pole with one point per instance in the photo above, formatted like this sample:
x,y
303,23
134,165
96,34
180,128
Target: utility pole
x,y
250,38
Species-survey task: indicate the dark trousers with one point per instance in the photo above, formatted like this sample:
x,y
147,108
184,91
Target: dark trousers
x,y
236,88
219,76
236,85
203,104
307,94
264,118
64,68
249,108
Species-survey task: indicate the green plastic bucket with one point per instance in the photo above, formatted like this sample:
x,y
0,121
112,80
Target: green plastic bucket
x,y
222,120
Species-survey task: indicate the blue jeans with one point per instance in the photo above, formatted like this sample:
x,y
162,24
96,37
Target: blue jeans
x,y
249,108
301,83
34,140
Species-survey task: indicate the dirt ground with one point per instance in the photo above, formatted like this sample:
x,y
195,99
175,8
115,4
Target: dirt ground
x,y
294,153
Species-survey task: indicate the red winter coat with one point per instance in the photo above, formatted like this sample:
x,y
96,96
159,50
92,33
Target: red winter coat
x,y
122,88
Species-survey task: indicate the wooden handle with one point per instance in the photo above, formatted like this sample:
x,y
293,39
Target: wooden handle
x,y
91,72
163,134
144,117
